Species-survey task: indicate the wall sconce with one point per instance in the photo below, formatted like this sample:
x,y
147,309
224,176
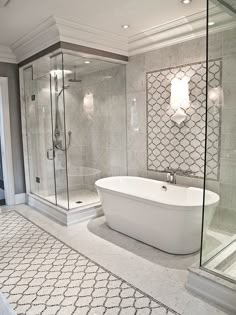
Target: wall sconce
x,y
179,98
89,105
215,95
134,115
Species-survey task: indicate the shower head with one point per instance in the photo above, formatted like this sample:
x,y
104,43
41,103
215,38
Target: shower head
x,y
75,80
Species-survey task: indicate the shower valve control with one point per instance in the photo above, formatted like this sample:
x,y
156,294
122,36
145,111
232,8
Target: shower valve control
x,y
50,154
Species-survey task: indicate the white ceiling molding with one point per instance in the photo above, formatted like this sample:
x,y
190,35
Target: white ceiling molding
x,y
84,35
56,29
43,36
178,31
6,55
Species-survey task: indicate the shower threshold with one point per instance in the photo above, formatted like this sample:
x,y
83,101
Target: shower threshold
x,y
224,262
82,212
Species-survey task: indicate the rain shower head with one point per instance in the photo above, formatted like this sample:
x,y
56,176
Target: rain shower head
x,y
74,79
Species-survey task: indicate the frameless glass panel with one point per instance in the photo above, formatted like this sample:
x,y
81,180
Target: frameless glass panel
x,y
61,138
95,107
39,134
219,227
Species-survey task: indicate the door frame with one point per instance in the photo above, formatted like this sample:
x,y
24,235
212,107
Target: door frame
x,y
6,144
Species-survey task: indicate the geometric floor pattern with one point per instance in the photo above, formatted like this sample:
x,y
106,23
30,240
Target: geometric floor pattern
x,y
41,275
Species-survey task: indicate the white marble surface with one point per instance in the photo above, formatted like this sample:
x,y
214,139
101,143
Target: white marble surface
x,y
161,275
86,196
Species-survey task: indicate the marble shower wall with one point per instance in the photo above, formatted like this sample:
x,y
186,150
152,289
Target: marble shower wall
x,y
224,45
96,116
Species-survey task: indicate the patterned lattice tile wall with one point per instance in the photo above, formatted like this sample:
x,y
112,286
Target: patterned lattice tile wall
x,y
182,147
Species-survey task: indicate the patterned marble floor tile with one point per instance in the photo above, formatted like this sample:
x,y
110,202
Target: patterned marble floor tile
x,y
41,275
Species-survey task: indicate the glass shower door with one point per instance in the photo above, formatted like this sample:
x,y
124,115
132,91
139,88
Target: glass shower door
x,y
218,253
39,135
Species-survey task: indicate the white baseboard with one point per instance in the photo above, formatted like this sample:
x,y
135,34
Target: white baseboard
x,y
20,198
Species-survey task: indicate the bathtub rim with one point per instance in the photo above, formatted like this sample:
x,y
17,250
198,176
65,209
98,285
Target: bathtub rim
x,y
172,207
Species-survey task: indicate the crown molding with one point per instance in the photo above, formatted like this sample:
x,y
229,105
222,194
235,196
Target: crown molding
x,y
44,35
84,35
6,55
177,31
56,29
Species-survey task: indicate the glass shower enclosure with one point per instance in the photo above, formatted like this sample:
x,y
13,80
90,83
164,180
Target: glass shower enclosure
x,y
75,116
218,252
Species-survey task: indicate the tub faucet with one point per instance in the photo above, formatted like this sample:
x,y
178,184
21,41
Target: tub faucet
x,y
170,176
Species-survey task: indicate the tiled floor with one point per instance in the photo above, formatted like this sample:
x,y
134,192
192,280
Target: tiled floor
x,y
84,195
159,275
41,275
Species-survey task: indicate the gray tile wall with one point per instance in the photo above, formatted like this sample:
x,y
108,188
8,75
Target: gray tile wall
x,y
226,46
98,146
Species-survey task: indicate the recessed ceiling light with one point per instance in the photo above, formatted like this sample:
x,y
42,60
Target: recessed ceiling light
x,y
211,23
87,61
125,26
186,1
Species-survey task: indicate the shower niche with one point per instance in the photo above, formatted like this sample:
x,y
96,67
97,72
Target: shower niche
x,y
74,131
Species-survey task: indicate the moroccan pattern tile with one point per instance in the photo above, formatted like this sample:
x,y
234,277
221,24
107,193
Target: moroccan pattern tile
x,y
183,146
41,275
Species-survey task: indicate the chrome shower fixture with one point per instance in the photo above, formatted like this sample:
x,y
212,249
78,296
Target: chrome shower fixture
x,y
58,130
75,79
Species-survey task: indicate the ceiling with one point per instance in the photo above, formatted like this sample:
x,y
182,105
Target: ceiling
x,y
20,16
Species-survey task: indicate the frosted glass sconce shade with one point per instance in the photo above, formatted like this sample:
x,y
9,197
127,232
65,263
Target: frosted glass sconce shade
x,y
179,98
215,95
89,104
179,116
134,115
179,93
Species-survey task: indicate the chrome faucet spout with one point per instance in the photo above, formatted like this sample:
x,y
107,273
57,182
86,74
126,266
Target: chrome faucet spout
x,y
170,176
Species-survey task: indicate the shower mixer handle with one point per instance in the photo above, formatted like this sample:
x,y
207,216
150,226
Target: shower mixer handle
x,y
50,154
58,142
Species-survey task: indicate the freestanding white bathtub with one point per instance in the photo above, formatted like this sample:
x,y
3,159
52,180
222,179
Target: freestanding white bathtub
x,y
166,216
